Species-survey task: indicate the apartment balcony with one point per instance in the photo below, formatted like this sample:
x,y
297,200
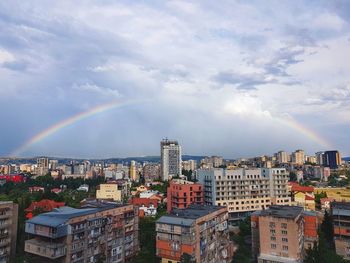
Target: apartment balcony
x,y
5,242
45,249
6,215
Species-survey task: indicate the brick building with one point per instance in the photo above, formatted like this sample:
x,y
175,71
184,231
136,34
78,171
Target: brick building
x,y
182,193
281,234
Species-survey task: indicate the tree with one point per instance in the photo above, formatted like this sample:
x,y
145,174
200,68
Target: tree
x,y
292,177
186,258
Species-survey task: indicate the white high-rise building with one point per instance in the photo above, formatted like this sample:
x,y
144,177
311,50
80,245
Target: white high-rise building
x,y
170,152
244,190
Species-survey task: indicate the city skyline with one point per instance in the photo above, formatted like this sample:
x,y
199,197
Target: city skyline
x,y
239,79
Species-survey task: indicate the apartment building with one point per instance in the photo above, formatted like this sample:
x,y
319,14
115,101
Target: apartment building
x,y
8,231
182,193
99,232
170,157
244,191
277,234
298,157
340,212
198,232
116,190
151,172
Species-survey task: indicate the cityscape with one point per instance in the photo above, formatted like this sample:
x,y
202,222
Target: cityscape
x,y
175,131
283,207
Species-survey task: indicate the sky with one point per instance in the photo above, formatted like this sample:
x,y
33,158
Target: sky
x,y
230,78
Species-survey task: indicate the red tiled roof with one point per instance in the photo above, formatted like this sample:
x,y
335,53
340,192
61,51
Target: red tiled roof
x,y
144,201
310,198
45,205
299,188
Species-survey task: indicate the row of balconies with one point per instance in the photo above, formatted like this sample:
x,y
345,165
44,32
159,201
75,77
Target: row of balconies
x,y
51,250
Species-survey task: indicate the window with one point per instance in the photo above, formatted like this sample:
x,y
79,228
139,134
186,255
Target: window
x,y
273,246
284,232
285,248
284,225
284,239
273,238
272,231
272,225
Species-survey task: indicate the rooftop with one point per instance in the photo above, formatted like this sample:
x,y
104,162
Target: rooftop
x,y
59,216
341,205
282,211
189,215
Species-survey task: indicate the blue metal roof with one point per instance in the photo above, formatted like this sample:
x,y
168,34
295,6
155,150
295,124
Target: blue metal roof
x,y
60,216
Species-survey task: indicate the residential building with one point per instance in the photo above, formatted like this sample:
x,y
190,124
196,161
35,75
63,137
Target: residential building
x,y
133,173
151,172
147,206
84,188
298,157
244,191
8,231
182,193
332,159
100,232
189,165
53,164
170,159
340,212
42,166
302,195
319,158
277,234
326,203
42,206
282,157
200,232
112,191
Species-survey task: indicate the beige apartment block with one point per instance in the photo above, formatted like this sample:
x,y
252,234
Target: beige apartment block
x,y
109,191
244,190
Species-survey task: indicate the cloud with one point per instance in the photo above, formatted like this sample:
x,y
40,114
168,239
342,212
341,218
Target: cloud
x,y
205,70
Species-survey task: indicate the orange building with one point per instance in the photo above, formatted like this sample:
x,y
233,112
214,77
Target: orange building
x,y
182,193
44,205
281,233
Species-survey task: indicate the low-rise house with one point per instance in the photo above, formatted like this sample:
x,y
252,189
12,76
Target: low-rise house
x,y
302,195
34,189
147,207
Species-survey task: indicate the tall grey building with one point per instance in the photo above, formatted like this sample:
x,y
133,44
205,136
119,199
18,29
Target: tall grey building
x,y
170,153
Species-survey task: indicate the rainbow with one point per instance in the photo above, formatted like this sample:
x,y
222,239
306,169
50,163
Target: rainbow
x,y
292,123
289,122
67,122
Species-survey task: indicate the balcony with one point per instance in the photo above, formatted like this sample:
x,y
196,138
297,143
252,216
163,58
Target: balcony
x,y
41,248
